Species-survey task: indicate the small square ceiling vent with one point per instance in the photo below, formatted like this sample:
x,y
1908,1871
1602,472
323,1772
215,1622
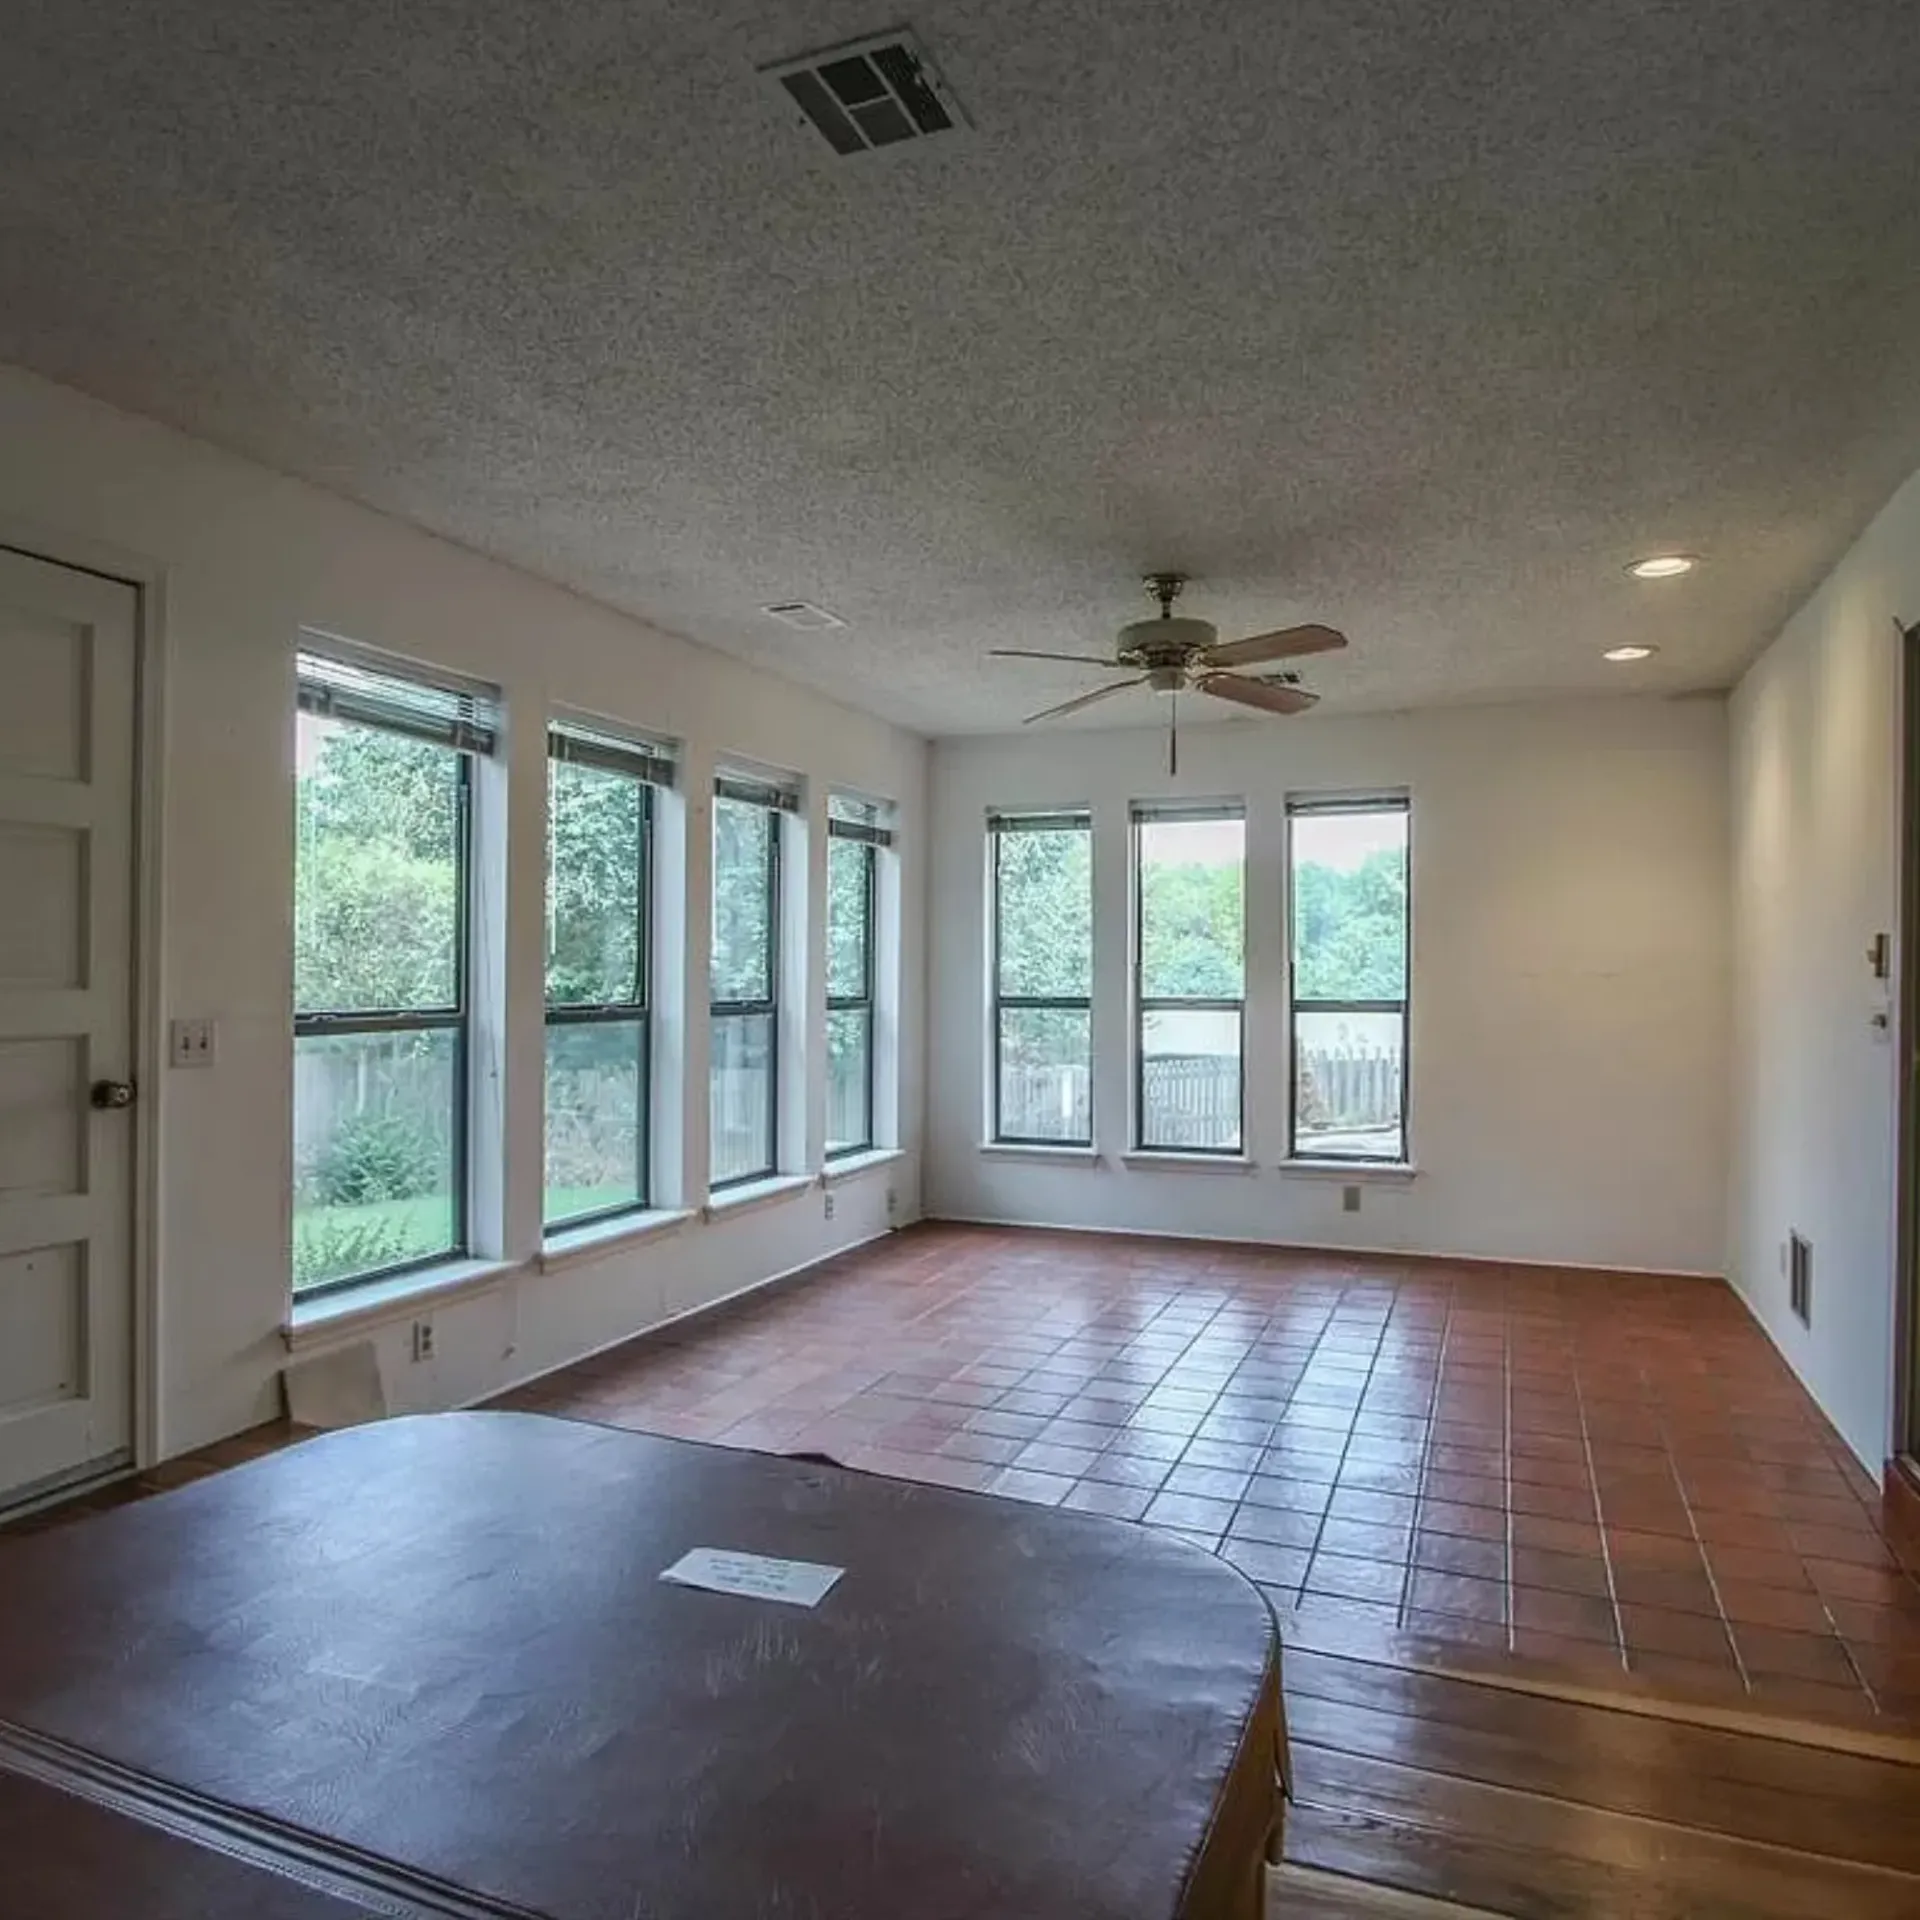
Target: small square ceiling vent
x,y
869,93
802,614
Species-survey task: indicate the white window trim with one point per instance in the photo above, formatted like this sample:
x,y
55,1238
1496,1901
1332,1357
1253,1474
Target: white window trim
x,y
318,1322
1351,1172
1068,1156
1181,1160
757,1193
573,1245
850,1166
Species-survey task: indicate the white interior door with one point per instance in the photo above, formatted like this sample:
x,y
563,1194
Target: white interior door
x,y
66,964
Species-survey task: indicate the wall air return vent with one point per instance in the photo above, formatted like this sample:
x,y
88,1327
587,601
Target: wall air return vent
x,y
868,93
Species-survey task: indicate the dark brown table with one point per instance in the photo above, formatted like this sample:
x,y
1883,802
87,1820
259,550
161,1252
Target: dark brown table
x,y
430,1666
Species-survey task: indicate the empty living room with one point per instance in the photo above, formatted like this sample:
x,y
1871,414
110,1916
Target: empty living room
x,y
960,966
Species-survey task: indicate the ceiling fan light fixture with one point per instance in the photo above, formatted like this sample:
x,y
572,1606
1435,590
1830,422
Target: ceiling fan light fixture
x,y
1620,655
1663,566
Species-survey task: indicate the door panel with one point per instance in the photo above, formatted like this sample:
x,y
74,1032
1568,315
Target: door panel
x,y
67,663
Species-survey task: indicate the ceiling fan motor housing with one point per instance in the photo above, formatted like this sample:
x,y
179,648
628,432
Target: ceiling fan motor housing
x,y
1165,646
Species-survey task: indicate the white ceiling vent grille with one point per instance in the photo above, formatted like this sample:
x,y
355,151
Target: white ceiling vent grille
x,y
869,93
802,614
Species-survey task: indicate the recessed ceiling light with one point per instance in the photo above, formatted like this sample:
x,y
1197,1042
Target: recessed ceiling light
x,y
1630,653
1663,566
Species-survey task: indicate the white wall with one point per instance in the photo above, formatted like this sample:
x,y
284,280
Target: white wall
x,y
1816,798
1569,1052
246,558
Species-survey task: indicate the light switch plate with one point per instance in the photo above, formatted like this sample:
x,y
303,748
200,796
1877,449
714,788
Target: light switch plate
x,y
190,1043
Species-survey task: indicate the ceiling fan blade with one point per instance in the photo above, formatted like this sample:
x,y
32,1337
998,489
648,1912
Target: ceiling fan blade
x,y
1078,659
1085,700
1257,693
1288,644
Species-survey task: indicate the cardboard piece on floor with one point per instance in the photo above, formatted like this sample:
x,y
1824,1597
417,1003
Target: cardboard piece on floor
x,y
338,1389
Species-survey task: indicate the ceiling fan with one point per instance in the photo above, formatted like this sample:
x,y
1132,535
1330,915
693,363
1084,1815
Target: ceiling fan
x,y
1174,656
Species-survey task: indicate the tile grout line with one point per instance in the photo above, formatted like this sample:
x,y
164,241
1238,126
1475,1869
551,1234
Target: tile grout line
x,y
1694,1533
1426,1457
1599,1507
1346,1445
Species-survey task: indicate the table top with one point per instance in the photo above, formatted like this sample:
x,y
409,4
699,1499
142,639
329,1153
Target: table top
x,y
444,1643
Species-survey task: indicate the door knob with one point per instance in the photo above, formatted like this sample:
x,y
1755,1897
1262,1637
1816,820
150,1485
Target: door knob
x,y
109,1095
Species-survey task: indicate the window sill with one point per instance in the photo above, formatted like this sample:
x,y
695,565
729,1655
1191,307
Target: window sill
x,y
315,1323
1179,1162
851,1165
1032,1150
571,1245
1352,1172
756,1193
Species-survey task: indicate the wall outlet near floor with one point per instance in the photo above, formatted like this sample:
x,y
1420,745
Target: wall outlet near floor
x,y
829,1203
1349,1199
422,1341
190,1043
893,1205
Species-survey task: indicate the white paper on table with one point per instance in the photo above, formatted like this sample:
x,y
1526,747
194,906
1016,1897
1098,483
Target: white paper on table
x,y
797,1583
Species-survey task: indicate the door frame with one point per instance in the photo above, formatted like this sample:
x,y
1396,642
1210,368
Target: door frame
x,y
1906,1390
148,579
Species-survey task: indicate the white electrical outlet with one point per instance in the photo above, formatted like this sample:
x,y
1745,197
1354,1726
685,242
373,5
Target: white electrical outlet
x,y
190,1043
422,1340
829,1203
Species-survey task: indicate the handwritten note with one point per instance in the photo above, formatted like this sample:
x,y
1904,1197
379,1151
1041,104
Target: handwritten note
x,y
795,1583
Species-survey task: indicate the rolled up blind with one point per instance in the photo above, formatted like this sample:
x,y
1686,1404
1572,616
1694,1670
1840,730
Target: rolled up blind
x,y
450,712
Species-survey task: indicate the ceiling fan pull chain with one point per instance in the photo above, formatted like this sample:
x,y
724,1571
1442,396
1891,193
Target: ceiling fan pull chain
x,y
1173,739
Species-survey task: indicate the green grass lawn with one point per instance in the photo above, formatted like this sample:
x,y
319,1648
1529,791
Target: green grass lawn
x,y
332,1243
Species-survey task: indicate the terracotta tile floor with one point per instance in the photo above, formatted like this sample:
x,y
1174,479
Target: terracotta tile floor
x,y
1600,1472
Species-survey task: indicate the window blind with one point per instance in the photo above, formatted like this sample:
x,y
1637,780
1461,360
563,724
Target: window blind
x,y
757,791
1151,810
1062,822
447,712
851,816
651,761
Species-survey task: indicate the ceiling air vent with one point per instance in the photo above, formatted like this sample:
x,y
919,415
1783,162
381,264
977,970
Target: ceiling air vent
x,y
868,93
802,614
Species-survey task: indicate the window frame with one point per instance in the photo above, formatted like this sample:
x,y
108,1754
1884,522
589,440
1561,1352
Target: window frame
x,y
643,766
1058,820
1309,806
776,802
1146,814
868,840
324,688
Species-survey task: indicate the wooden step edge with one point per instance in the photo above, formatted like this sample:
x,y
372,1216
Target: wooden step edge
x,y
1290,1886
1897,1741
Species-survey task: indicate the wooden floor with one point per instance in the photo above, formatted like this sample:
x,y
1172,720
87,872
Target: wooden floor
x,y
1430,1775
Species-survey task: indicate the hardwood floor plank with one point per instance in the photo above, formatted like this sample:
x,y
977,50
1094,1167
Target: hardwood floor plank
x,y
1639,1865
1697,1753
1638,1774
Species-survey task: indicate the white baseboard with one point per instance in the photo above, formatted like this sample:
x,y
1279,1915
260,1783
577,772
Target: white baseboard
x,y
1321,1246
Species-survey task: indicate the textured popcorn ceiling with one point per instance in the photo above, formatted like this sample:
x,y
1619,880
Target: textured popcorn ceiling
x,y
1417,316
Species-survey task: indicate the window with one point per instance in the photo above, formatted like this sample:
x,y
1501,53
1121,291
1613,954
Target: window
x,y
1189,870
855,835
599,973
382,911
744,1084
1348,873
1042,978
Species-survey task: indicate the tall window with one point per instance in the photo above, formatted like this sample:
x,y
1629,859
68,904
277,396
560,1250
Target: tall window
x,y
1190,977
599,973
744,1085
381,989
1042,978
1348,865
855,834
